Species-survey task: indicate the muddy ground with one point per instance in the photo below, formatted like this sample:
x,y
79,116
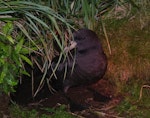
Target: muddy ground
x,y
92,101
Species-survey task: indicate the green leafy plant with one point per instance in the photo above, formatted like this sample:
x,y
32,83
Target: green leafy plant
x,y
40,26
11,58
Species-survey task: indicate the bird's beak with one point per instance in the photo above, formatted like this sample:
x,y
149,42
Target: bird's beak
x,y
73,45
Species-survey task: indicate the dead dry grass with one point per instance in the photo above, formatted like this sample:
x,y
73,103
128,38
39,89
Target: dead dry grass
x,y
129,58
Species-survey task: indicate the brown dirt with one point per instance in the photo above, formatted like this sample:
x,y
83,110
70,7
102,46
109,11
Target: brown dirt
x,y
4,103
98,97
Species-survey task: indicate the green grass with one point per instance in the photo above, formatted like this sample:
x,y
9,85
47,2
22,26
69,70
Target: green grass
x,y
59,112
131,106
17,111
129,66
20,112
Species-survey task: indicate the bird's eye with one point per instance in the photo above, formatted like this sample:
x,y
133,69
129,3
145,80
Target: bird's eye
x,y
82,51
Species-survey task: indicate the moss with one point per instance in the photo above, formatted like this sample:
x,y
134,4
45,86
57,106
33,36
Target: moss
x,y
129,65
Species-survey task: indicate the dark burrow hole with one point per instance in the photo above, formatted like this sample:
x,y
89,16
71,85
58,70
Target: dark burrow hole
x,y
83,96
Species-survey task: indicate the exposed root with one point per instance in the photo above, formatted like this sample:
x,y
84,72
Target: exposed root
x,y
104,114
39,103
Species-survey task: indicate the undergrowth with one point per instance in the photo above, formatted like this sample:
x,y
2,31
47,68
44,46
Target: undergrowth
x,y
128,68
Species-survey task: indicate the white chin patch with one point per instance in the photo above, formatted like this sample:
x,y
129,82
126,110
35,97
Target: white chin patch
x,y
73,45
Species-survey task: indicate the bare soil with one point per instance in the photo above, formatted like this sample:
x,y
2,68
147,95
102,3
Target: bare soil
x,y
98,100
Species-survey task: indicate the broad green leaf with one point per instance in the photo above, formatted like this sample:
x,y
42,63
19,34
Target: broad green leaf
x,y
10,39
26,59
25,73
27,50
7,29
11,81
3,74
19,46
15,58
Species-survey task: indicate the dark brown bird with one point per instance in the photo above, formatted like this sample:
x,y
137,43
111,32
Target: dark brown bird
x,y
89,61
